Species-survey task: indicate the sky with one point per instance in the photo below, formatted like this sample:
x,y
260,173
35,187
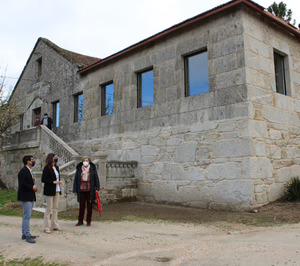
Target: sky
x,y
97,28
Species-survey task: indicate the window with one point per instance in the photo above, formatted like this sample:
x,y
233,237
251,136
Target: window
x,y
78,107
39,68
280,74
21,117
56,114
107,99
196,74
146,88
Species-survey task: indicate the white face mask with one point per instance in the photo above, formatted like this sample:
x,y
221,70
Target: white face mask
x,y
85,164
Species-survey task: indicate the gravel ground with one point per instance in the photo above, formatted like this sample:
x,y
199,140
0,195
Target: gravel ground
x,y
154,243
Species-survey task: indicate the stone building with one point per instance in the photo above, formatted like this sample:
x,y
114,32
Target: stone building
x,y
209,109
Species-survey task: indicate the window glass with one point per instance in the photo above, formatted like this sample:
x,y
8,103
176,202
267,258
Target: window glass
x,y
108,99
280,74
80,107
57,115
146,89
197,74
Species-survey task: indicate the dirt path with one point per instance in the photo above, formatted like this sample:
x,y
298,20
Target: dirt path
x,y
154,243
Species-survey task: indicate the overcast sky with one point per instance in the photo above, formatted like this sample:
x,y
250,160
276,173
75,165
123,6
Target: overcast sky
x,y
92,27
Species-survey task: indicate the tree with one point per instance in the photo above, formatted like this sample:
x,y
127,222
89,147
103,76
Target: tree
x,y
280,10
8,111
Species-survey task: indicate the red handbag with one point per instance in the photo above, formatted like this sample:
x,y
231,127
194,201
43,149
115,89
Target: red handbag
x,y
99,203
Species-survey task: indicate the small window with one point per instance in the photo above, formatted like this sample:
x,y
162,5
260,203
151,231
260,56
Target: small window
x,y
107,99
196,74
78,107
280,74
56,114
21,117
145,88
39,67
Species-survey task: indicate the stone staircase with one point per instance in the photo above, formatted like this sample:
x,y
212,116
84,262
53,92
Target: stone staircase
x,y
117,178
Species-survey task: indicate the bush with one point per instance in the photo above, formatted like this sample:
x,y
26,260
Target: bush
x,y
292,192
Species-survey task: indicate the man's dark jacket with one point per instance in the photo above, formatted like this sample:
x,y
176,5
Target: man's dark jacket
x,y
50,122
94,179
48,178
25,191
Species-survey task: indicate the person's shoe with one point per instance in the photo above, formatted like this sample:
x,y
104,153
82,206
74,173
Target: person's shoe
x,y
57,229
88,224
47,231
78,224
24,237
30,240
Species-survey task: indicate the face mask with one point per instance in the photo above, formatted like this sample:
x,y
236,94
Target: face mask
x,y
56,160
85,164
33,163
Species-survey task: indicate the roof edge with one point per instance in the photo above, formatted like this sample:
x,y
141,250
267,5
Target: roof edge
x,y
258,8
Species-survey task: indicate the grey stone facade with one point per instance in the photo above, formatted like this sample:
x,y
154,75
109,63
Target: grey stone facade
x,y
232,148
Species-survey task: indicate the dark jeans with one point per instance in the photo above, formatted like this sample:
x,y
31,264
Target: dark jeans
x,y
85,199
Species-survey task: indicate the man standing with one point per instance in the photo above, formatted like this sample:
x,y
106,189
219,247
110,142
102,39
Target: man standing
x,y
47,121
26,194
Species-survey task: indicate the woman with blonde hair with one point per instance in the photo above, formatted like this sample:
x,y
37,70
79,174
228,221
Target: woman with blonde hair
x,y
86,183
52,190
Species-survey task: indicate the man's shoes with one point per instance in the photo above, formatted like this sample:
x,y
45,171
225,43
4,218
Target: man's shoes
x,y
47,231
57,229
78,224
88,224
24,237
30,240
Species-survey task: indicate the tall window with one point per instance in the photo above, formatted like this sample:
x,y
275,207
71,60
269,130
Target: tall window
x,y
78,107
39,67
21,119
56,114
146,88
280,73
196,74
107,99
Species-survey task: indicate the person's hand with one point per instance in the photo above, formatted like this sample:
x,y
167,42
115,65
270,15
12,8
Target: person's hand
x,y
75,193
35,189
60,182
55,182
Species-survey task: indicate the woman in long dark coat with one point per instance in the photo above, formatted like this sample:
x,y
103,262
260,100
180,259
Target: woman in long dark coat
x,y
86,183
52,191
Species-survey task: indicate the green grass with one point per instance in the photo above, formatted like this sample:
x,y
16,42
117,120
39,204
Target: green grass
x,y
7,196
38,261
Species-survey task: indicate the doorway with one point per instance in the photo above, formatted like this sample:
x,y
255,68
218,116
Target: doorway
x,y
36,116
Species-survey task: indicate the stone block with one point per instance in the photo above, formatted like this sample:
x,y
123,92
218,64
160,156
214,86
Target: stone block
x,y
227,126
276,191
157,168
223,171
261,198
204,126
175,140
231,148
148,150
145,189
275,134
186,152
260,148
235,192
173,172
257,168
147,159
274,152
195,173
165,191
204,152
258,129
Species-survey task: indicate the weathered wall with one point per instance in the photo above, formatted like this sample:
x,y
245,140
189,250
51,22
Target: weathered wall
x,y
56,83
274,125
191,150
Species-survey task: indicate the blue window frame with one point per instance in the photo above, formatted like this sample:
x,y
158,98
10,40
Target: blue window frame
x,y
107,99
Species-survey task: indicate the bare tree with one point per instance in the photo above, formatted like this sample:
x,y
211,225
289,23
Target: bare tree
x,y
8,111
